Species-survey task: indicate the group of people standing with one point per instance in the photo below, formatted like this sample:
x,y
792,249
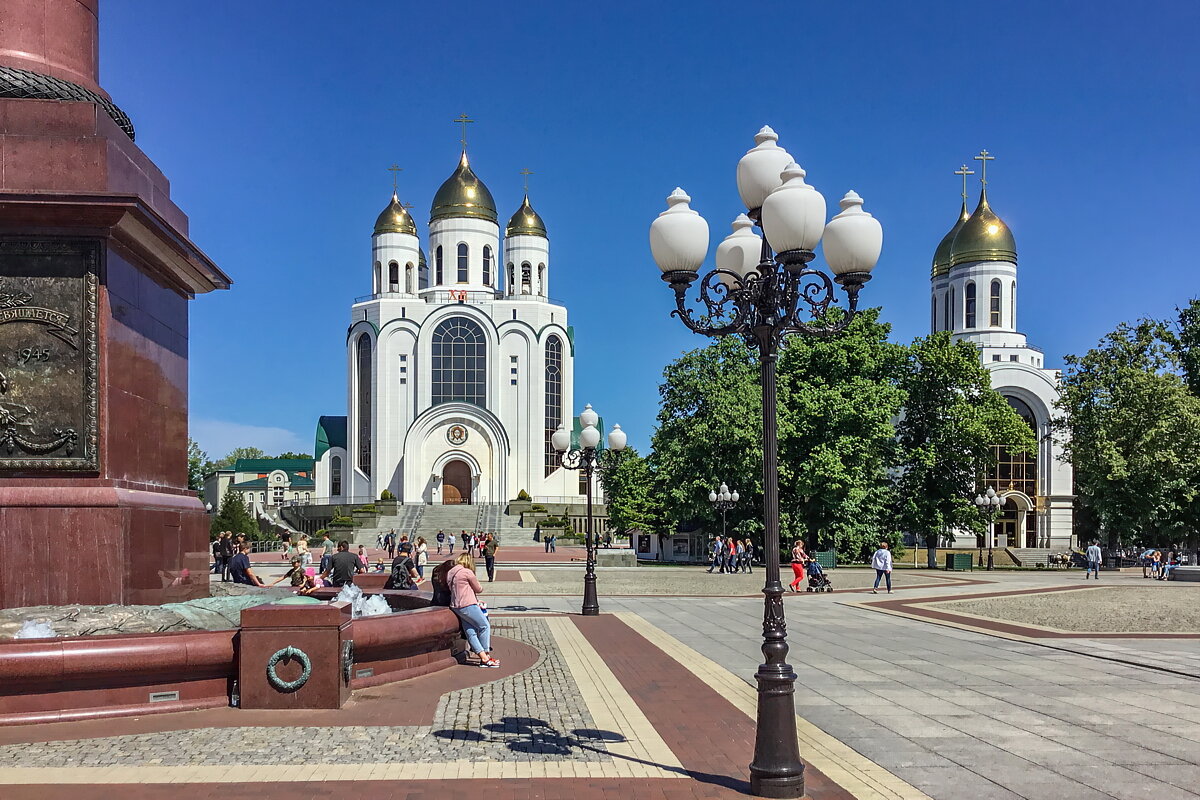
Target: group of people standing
x,y
730,555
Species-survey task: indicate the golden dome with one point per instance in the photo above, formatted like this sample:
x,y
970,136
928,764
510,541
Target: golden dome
x,y
983,237
941,256
395,219
463,195
526,222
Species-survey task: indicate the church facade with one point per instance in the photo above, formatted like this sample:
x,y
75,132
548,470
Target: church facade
x,y
459,365
974,296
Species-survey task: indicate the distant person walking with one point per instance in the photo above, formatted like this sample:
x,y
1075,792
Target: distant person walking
x,y
882,562
799,559
717,549
391,543
1094,557
749,556
451,541
441,540
489,556
421,556
464,588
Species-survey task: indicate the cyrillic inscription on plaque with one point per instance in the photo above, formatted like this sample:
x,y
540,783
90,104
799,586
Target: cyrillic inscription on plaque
x,y
48,354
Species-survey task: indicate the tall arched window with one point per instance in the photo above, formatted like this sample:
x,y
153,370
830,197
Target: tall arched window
x,y
487,265
437,266
969,300
554,362
1017,471
952,314
945,311
393,277
994,309
364,403
409,278
377,277
335,476
526,277
1012,307
459,367
464,263
542,279
511,284
933,313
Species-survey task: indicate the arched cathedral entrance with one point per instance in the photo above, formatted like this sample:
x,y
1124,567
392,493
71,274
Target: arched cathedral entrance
x,y
456,483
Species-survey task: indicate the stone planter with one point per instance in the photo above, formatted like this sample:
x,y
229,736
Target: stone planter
x,y
518,507
548,532
387,508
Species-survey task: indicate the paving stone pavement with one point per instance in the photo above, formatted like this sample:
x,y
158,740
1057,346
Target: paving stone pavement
x,y
492,722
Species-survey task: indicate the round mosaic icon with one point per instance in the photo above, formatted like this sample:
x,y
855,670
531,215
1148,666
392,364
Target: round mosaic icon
x,y
457,434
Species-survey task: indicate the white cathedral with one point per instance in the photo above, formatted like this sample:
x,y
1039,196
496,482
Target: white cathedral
x,y
974,296
460,367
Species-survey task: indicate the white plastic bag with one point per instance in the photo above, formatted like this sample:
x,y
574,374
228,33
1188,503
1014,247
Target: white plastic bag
x,y
32,629
375,605
354,596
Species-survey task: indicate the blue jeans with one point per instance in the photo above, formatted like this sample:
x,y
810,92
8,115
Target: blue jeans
x,y
881,573
477,628
1093,566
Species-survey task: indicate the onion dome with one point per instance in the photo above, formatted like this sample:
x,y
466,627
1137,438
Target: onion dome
x,y
941,256
463,195
395,219
983,237
526,222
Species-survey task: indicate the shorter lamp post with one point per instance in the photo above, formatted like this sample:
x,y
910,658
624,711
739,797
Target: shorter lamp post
x,y
722,501
585,458
989,504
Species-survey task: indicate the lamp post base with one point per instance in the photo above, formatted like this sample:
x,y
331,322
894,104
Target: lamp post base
x,y
591,604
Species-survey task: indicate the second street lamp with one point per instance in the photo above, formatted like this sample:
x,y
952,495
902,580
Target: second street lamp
x,y
762,291
989,504
586,457
722,501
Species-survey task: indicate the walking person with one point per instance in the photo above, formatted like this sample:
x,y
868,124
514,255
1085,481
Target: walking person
x,y
799,558
882,562
216,553
489,556
1094,557
749,556
451,540
731,555
390,540
441,540
741,555
327,547
716,554
464,602
422,555
227,552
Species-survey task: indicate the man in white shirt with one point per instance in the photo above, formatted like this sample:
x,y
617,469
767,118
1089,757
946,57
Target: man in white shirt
x,y
882,562
1094,557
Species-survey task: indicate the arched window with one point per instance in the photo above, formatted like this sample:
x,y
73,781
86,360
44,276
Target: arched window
x,y
526,277
364,403
951,313
409,278
377,278
969,300
393,277
1017,471
933,313
335,476
487,265
554,362
437,266
459,368
542,279
994,310
945,311
1012,307
511,284
464,263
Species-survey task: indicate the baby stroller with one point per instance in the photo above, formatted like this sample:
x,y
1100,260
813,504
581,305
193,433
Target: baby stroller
x,y
818,581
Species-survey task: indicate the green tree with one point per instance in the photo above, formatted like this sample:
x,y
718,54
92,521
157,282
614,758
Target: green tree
x,y
290,454
238,453
233,516
628,489
197,461
951,420
1131,430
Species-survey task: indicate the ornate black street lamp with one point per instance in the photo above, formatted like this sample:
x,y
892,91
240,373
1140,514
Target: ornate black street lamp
x,y
762,291
989,504
585,458
723,500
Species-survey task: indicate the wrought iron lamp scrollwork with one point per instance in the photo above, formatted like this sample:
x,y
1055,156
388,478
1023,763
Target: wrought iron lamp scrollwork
x,y
764,290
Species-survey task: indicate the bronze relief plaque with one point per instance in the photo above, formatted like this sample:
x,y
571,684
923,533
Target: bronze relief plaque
x,y
48,354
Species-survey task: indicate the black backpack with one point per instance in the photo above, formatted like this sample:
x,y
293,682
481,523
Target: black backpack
x,y
400,578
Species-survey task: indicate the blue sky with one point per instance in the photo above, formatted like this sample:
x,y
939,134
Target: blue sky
x,y
276,122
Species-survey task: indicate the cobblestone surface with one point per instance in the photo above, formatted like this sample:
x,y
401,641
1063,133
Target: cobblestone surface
x,y
536,715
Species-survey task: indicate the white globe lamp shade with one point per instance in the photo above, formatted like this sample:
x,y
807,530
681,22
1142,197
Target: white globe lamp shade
x,y
712,497
758,171
589,417
991,492
561,439
617,439
997,502
793,216
724,489
979,501
735,497
679,236
589,437
740,251
853,239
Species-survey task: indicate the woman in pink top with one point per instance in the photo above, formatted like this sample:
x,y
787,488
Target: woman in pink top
x,y
463,601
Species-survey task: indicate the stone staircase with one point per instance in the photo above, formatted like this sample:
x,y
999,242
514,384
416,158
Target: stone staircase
x,y
1029,556
491,518
451,519
406,520
418,519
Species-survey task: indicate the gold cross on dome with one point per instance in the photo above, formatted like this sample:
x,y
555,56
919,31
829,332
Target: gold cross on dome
x,y
984,157
464,120
964,172
526,172
406,206
395,169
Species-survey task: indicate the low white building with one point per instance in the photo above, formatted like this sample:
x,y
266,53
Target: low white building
x,y
974,296
268,482
459,364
